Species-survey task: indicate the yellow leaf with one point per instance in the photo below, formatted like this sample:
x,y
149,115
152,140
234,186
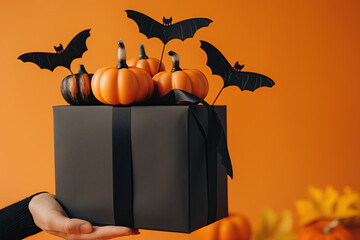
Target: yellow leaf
x,y
328,204
273,227
307,211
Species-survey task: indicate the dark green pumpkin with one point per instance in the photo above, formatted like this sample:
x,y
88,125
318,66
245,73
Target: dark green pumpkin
x,y
76,88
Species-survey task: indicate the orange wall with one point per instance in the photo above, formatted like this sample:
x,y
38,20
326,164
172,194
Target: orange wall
x,y
304,131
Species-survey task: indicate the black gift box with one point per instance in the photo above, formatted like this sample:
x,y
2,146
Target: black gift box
x,y
144,167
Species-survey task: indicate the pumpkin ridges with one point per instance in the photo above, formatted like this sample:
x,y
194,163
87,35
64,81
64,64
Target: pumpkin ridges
x,y
72,86
314,231
216,230
189,80
84,84
342,233
141,87
161,82
240,223
144,65
150,83
198,82
131,62
210,232
181,81
150,65
109,82
65,91
228,230
127,83
155,68
95,83
145,83
205,84
75,88
121,85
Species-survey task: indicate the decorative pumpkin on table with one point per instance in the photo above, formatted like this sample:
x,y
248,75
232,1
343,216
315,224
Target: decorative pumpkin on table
x,y
325,229
122,84
329,203
150,65
233,227
190,80
76,88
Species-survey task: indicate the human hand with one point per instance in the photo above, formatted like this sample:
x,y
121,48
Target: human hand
x,y
50,217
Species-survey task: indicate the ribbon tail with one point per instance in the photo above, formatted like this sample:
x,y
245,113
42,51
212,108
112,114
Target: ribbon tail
x,y
177,96
224,152
221,144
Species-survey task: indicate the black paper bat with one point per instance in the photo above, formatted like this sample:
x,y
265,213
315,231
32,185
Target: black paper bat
x,y
167,31
75,49
233,75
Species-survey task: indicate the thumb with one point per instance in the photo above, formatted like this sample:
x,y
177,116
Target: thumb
x,y
77,226
64,224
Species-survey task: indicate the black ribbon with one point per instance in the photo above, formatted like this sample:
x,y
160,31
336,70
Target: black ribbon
x,y
215,140
122,167
215,129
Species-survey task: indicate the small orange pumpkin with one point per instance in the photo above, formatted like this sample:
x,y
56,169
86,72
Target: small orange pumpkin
x,y
190,80
150,65
353,225
325,229
233,227
122,84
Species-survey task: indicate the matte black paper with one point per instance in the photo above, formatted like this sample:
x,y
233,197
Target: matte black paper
x,y
168,189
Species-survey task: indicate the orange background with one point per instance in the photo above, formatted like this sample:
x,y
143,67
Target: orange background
x,y
304,131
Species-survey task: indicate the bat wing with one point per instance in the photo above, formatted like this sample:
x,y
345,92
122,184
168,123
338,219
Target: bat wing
x,y
147,26
186,29
216,61
249,80
75,49
43,60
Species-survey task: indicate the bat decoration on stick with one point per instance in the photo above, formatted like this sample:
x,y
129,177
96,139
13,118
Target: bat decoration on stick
x,y
233,76
167,31
75,49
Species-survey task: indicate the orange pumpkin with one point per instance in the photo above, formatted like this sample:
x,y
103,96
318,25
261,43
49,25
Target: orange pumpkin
x,y
233,227
355,232
150,65
190,80
122,84
325,229
353,225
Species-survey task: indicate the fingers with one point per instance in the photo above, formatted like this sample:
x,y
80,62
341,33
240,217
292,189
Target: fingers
x,y
50,216
76,226
107,232
59,222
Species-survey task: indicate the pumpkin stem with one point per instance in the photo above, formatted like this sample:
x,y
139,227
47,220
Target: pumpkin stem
x,y
121,56
142,52
175,61
327,229
81,69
